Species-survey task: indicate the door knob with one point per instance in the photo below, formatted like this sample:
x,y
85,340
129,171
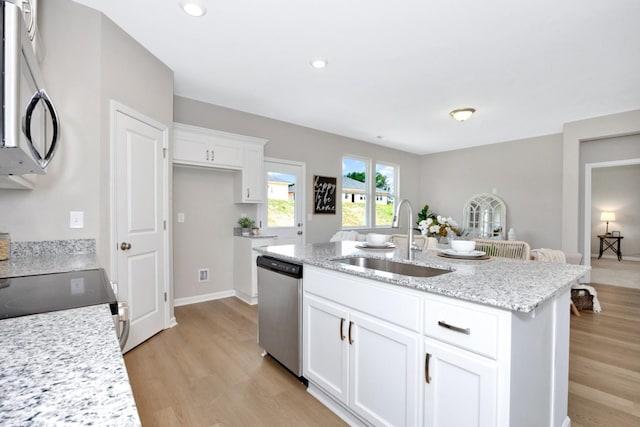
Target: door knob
x,y
299,233
125,246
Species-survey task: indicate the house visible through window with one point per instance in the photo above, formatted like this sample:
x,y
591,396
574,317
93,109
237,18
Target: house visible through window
x,y
358,189
386,193
354,192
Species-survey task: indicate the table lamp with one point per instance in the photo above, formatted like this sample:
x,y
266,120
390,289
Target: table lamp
x,y
607,216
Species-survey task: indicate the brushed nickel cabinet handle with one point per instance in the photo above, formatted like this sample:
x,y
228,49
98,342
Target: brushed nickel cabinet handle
x,y
465,331
341,329
427,378
350,325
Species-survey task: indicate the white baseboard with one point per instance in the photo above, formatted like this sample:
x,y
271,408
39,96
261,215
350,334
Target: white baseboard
x,y
203,298
173,322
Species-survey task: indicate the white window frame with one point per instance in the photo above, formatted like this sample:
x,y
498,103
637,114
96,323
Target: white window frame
x,y
370,190
396,189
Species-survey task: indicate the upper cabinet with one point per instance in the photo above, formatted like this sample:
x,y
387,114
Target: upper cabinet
x,y
196,146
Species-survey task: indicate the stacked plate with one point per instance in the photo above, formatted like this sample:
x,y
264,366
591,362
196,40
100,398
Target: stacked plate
x,y
476,255
367,245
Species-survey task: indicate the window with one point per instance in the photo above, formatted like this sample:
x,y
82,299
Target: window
x,y
354,190
358,189
386,194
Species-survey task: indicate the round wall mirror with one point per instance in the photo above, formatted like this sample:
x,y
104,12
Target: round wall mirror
x,y
485,217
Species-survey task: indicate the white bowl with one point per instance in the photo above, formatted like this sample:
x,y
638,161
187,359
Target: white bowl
x,y
377,239
463,246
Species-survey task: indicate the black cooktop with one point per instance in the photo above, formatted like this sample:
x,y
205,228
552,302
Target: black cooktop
x,y
21,296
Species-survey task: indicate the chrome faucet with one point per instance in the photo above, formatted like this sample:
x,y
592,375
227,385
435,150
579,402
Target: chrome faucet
x,y
396,224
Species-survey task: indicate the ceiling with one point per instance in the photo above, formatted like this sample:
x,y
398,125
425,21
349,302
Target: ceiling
x,y
397,68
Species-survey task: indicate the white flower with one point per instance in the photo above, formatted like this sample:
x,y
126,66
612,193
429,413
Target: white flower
x,y
434,229
429,221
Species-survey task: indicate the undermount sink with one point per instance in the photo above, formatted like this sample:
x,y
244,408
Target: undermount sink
x,y
393,266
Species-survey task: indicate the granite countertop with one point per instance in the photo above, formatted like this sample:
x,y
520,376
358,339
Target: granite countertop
x,y
515,285
64,368
46,264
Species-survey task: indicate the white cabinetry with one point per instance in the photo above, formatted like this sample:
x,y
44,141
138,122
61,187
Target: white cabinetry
x,y
196,146
461,361
458,379
250,184
382,355
245,275
365,363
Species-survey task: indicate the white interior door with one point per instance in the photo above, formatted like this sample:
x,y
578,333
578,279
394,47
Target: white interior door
x,y
140,170
283,214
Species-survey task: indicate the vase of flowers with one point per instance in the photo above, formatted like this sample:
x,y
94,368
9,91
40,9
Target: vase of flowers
x,y
433,225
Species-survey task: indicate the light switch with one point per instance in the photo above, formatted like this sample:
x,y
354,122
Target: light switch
x,y
76,219
180,217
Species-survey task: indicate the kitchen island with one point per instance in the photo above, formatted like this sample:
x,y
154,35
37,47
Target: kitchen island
x,y
485,344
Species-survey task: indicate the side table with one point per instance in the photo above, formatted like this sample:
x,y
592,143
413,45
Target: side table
x,y
610,242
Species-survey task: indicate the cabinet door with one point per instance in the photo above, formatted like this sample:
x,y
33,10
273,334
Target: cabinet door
x,y
462,387
190,150
326,347
223,154
198,146
250,185
383,366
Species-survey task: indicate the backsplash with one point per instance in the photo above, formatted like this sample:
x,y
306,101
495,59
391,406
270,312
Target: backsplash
x,y
53,247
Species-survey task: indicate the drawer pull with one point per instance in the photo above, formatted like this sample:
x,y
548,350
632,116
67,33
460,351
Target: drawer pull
x,y
465,331
427,378
341,328
350,325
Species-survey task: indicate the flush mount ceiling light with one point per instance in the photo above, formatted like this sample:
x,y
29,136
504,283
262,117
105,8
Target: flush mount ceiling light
x,y
193,7
462,114
318,62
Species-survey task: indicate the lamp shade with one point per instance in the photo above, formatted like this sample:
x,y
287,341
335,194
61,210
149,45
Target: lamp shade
x,y
608,216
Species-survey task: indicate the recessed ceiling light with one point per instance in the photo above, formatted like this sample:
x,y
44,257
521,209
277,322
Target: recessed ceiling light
x,y
193,7
319,63
462,114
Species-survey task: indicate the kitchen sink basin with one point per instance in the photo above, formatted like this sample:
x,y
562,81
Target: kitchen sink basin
x,y
393,266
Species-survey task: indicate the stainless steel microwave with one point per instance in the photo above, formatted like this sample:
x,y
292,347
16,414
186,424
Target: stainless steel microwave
x,y
29,123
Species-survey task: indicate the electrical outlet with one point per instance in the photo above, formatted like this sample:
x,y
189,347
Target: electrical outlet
x,y
77,286
203,275
76,219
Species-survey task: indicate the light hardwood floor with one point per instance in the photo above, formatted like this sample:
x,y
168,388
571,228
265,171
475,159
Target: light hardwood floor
x,y
604,361
207,371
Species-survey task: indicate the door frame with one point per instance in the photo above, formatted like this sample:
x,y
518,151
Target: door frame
x,y
303,182
588,169
114,108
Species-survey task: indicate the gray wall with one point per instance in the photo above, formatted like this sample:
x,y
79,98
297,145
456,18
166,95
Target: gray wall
x,y
617,189
526,175
71,70
622,193
88,62
574,136
320,151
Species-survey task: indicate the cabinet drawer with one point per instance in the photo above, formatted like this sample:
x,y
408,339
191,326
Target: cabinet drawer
x,y
463,326
368,296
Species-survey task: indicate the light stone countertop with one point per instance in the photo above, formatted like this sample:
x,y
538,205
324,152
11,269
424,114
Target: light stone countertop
x,y
64,368
46,264
510,284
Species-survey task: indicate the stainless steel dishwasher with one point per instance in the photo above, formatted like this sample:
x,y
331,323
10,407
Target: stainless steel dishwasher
x,y
280,311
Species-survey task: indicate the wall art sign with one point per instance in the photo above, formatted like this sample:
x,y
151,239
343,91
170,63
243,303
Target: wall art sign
x,y
324,193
